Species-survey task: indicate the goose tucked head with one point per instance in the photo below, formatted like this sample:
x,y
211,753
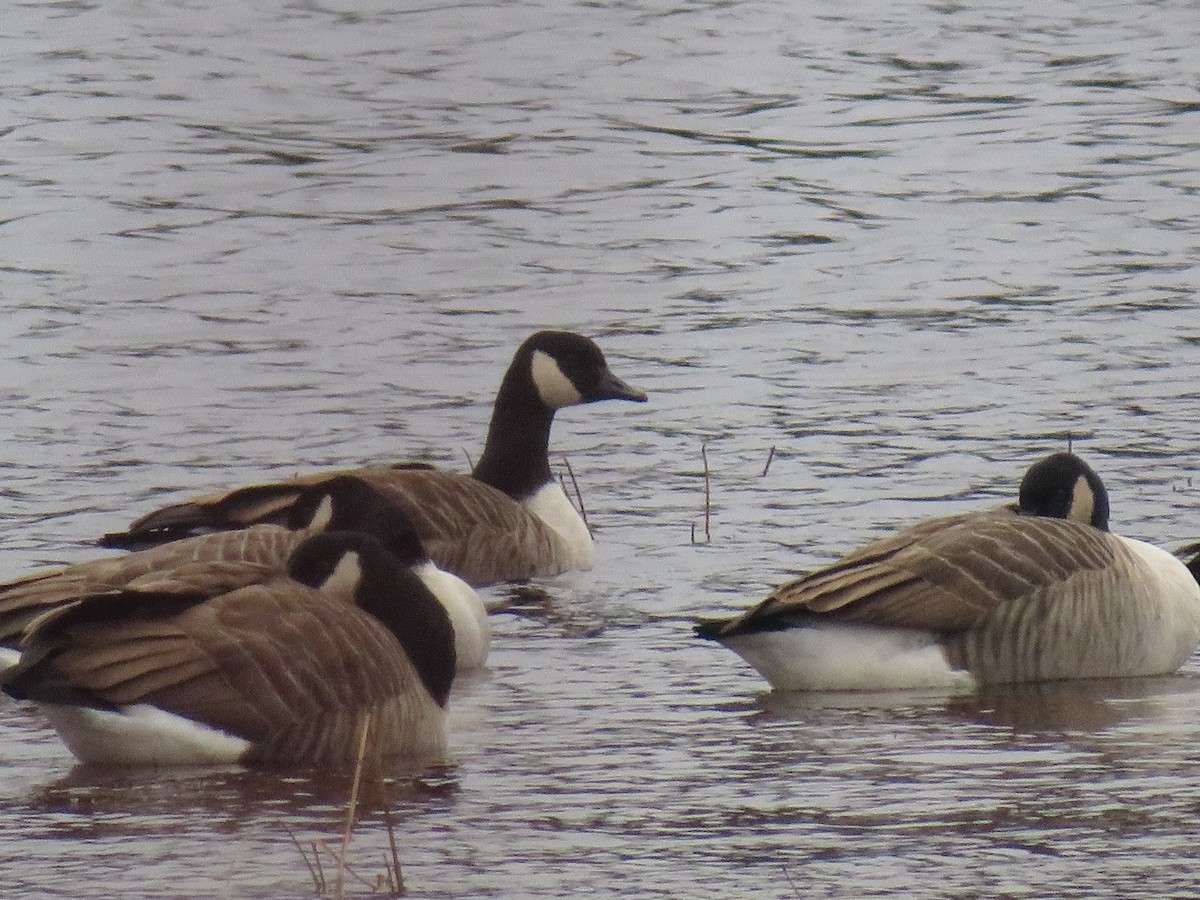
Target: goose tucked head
x,y
1063,486
568,369
347,503
330,563
359,568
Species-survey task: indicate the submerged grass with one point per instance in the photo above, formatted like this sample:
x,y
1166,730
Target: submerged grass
x,y
390,882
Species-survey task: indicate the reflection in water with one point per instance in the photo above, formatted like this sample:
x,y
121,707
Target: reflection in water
x,y
237,795
1080,706
910,247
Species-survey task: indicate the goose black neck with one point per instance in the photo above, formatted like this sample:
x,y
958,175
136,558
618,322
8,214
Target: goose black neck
x,y
410,611
516,457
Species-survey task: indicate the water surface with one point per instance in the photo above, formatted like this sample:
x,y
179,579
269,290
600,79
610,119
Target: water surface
x,y
911,248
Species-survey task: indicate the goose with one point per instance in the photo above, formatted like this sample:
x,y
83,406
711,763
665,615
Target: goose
x,y
273,667
508,520
340,503
1037,592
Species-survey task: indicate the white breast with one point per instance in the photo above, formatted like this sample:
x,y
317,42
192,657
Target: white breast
x,y
575,548
1170,625
468,616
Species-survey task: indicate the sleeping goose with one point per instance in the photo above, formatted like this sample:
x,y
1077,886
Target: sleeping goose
x,y
339,503
1034,593
270,667
506,521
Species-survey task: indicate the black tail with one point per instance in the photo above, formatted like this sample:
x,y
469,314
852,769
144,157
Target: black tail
x,y
710,629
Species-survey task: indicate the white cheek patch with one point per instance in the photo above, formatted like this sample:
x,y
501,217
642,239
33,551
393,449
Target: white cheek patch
x,y
1083,502
8,659
322,516
343,580
553,386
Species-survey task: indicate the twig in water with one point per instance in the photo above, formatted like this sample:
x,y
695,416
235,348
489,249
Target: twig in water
x,y
788,876
470,462
707,496
352,808
770,456
314,865
578,495
395,876
391,879
350,870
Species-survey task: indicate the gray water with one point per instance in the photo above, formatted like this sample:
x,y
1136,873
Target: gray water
x,y
911,247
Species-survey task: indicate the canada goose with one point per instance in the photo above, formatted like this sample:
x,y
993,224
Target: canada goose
x,y
283,668
507,521
343,503
1034,593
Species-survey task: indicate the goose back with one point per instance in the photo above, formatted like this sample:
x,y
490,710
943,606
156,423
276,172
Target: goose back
x,y
467,527
1036,591
507,521
273,671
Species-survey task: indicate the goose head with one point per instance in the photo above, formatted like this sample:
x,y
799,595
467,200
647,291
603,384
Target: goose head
x,y
565,369
348,503
1063,486
359,568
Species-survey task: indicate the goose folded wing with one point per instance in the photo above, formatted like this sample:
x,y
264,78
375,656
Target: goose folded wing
x,y
445,505
944,579
466,526
266,503
253,663
209,564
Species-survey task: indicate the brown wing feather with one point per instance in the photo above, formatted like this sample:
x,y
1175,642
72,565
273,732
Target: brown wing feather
x,y
21,601
242,507
467,527
273,663
944,576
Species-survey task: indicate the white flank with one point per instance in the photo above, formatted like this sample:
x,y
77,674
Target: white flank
x,y
835,657
575,550
141,735
552,385
468,616
1170,628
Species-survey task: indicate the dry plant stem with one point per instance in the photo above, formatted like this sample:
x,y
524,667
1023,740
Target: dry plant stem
x,y
334,854
396,875
470,462
792,884
578,495
707,496
314,865
352,809
770,456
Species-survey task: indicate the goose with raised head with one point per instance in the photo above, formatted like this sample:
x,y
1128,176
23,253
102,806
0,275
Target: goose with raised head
x,y
277,667
1037,592
343,503
508,520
